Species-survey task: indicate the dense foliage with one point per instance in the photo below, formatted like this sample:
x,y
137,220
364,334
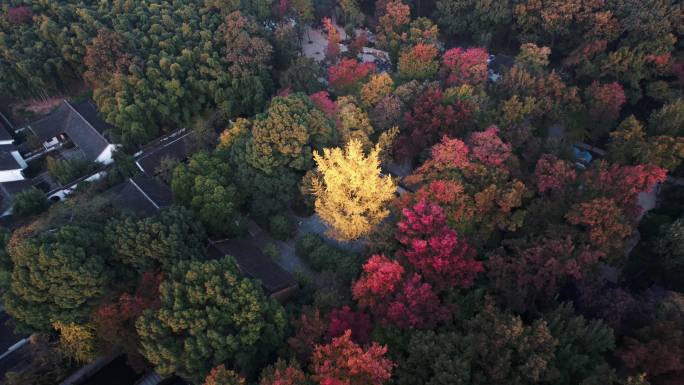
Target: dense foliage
x,y
58,277
351,193
30,202
153,65
156,242
209,314
500,202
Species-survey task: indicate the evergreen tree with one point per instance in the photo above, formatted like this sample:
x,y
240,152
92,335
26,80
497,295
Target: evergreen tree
x,y
206,187
209,314
58,276
159,241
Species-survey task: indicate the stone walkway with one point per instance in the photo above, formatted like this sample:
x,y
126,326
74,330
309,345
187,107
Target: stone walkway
x,y
314,44
287,257
314,224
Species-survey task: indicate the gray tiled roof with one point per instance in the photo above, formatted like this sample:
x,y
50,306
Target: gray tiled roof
x,y
129,199
88,111
254,264
156,192
52,125
8,162
173,148
142,196
501,63
17,186
83,126
18,358
4,132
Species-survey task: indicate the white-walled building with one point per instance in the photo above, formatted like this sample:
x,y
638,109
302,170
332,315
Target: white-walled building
x,y
12,164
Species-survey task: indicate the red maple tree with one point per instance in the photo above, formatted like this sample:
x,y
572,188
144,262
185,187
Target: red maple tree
x,y
605,101
19,15
394,300
344,362
115,321
434,249
608,228
381,278
447,155
418,62
219,375
623,184
284,373
432,118
344,319
657,346
535,271
282,7
450,153
467,66
357,44
678,71
553,174
309,328
416,305
488,148
347,75
322,101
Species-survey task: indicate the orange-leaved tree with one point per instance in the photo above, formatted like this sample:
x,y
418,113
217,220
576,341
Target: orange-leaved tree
x,y
344,362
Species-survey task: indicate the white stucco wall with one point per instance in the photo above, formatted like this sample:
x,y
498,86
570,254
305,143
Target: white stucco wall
x,y
51,143
107,156
17,156
63,193
11,176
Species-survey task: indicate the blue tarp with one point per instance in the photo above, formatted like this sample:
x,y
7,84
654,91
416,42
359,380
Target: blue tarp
x,y
582,155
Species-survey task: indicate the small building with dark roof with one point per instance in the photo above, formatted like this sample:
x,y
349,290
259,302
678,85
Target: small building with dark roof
x,y
498,65
15,187
172,146
14,350
8,190
142,195
5,135
79,123
253,263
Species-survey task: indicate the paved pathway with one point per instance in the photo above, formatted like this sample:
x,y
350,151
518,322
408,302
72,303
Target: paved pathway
x,y
287,257
314,224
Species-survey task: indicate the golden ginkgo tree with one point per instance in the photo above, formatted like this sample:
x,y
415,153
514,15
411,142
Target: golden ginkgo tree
x,y
351,193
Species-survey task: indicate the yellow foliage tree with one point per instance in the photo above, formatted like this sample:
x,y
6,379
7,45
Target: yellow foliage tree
x,y
232,133
77,341
351,193
353,122
379,86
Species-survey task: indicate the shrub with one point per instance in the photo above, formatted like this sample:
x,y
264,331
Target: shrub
x,y
280,226
302,76
271,251
321,255
30,202
6,264
67,171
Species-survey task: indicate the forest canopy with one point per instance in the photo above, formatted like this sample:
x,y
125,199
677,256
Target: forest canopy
x,y
455,192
